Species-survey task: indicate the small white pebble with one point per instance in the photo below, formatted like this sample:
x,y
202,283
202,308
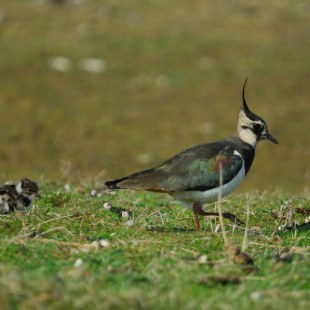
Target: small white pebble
x,y
94,193
281,227
61,64
93,65
256,295
67,187
95,245
104,243
129,223
107,206
125,214
202,259
78,263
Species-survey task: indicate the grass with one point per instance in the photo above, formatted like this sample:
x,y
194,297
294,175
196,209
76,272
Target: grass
x,y
52,257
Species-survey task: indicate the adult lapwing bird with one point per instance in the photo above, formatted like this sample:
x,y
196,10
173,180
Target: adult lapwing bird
x,y
18,196
193,176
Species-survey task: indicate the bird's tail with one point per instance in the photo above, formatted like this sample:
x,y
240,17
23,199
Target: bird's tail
x,y
114,184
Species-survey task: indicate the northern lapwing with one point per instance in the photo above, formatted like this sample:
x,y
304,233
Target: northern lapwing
x,y
193,176
18,196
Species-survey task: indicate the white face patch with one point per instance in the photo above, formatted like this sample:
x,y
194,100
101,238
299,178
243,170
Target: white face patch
x,y
19,188
248,136
245,129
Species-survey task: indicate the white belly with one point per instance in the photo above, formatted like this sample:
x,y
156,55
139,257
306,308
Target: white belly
x,y
211,195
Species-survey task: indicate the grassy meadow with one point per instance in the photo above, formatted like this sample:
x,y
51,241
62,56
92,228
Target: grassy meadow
x,y
72,251
92,90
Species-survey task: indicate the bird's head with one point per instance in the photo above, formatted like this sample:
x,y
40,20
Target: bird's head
x,y
28,188
251,128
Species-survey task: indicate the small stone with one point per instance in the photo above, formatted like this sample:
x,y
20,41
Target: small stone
x,y
129,223
78,263
93,65
61,64
104,243
95,245
107,206
256,295
202,259
94,193
67,187
125,214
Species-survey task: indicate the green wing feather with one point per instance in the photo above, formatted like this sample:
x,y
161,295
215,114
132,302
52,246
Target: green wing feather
x,y
197,168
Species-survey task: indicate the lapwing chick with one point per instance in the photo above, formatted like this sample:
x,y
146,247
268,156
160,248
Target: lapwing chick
x,y
21,195
193,176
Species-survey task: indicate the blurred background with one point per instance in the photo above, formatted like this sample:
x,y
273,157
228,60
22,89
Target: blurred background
x,y
91,89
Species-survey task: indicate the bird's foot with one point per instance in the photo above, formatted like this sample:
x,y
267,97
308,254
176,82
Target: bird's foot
x,y
197,208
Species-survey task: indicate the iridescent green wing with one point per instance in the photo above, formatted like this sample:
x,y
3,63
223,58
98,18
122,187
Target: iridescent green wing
x,y
200,169
197,168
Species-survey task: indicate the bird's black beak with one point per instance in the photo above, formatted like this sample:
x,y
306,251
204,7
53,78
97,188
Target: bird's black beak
x,y
38,195
268,136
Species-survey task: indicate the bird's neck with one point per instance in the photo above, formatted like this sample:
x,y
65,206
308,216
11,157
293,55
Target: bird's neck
x,y
246,150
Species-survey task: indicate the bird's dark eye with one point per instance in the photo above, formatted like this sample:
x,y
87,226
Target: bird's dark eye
x,y
258,128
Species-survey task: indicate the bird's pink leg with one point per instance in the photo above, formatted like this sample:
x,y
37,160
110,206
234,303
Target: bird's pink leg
x,y
197,208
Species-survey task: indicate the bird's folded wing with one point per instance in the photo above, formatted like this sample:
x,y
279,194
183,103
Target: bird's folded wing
x,y
197,168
